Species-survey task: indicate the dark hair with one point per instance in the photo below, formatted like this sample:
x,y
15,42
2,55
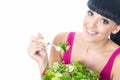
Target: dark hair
x,y
109,9
115,38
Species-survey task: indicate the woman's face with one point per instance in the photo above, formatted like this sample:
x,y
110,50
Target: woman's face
x,y
97,27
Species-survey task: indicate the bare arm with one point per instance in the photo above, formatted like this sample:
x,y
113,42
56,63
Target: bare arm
x,y
38,52
56,56
116,69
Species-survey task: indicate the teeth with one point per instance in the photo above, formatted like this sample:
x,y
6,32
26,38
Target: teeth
x,y
91,32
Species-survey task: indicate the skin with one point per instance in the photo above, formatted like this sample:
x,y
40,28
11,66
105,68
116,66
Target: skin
x,y
92,46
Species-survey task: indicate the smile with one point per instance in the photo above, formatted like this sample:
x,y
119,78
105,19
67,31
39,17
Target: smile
x,y
91,32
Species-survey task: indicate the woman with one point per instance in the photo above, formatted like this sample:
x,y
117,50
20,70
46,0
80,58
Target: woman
x,y
92,46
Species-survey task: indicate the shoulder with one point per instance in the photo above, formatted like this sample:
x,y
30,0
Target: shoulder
x,y
63,37
60,37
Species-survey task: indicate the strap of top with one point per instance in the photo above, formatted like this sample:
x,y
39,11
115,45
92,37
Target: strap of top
x,y
105,73
67,55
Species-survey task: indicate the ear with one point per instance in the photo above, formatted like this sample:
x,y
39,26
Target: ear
x,y
117,29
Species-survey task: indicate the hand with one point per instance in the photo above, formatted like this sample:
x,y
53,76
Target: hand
x,y
37,50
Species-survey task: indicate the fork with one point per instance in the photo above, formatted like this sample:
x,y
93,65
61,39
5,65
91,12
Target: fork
x,y
57,48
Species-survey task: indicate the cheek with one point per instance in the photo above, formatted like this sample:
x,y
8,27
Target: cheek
x,y
105,32
85,20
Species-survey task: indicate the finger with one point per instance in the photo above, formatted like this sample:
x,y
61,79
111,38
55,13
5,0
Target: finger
x,y
37,54
36,43
34,48
40,36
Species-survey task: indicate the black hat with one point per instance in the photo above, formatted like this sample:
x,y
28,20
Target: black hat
x,y
107,8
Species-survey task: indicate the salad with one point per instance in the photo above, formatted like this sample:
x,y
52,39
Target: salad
x,y
64,46
73,71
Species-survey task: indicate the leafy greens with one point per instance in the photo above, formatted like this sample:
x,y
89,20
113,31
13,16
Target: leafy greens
x,y
73,71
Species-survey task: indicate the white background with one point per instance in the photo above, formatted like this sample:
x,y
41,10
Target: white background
x,y
19,19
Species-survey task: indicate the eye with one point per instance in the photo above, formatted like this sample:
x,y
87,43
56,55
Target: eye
x,y
90,13
104,21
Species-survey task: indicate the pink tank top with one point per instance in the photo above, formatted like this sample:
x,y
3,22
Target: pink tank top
x,y
105,73
67,55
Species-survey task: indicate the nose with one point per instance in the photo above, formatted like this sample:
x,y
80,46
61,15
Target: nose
x,y
93,23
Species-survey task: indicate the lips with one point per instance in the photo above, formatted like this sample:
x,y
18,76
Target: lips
x,y
91,32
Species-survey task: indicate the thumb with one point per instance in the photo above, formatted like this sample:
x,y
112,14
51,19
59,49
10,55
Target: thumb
x,y
40,36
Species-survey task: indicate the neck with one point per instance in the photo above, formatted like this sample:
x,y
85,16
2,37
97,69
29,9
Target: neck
x,y
98,45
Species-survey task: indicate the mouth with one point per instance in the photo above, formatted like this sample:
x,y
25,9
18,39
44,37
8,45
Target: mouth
x,y
91,32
